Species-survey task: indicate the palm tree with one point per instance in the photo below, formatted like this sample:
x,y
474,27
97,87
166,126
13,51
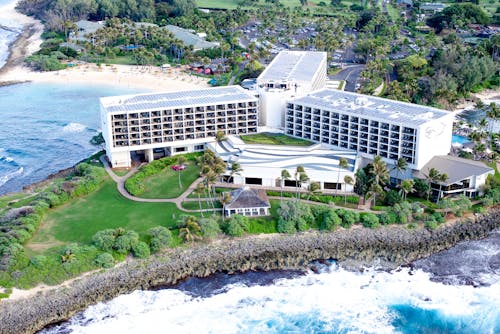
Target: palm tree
x,y
225,198
400,166
380,175
342,164
407,187
300,176
191,230
431,176
348,180
235,170
285,175
443,177
199,190
180,161
219,137
314,188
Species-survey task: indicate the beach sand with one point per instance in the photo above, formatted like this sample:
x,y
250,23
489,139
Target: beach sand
x,y
150,78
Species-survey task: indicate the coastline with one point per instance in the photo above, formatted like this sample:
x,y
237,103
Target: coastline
x,y
387,247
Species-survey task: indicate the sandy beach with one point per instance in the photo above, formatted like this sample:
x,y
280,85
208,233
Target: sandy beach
x,y
150,78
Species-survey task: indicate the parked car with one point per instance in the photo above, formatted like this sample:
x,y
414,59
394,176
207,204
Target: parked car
x,y
178,167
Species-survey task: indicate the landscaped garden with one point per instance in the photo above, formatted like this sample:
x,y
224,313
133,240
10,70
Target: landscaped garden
x,y
274,139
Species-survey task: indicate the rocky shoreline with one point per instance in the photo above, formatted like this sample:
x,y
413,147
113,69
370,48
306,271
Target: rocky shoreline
x,y
388,246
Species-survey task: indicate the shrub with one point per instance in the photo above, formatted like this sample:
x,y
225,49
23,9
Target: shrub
x,y
392,197
104,260
348,217
298,214
286,226
431,224
39,261
210,228
161,237
237,225
141,250
369,220
104,239
387,218
126,242
330,220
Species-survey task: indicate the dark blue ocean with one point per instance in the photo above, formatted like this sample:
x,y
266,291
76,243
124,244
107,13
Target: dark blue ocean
x,y
45,128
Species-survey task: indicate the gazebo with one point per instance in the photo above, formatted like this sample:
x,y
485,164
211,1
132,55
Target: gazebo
x,y
247,202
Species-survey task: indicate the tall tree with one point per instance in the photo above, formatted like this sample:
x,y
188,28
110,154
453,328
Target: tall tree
x,y
400,166
285,175
348,180
343,164
407,187
225,199
181,160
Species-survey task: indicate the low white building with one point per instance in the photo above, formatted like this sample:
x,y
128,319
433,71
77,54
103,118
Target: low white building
x,y
290,74
247,202
465,176
262,165
174,122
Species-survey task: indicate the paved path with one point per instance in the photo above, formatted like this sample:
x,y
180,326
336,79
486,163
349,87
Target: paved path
x,y
120,185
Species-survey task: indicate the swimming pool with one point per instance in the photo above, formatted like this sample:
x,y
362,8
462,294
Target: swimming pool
x,y
459,139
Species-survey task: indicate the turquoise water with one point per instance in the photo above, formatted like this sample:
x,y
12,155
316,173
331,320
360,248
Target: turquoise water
x,y
46,128
459,139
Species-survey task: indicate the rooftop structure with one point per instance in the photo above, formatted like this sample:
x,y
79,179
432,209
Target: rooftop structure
x,y
262,164
189,38
174,122
294,66
371,125
153,101
371,106
290,74
248,202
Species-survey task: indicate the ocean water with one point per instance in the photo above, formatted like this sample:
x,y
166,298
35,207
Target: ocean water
x,y
9,30
333,300
45,128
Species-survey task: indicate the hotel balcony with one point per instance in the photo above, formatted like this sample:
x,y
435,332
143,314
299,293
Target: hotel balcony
x,y
353,147
409,131
383,154
299,108
363,149
364,128
364,121
157,140
384,126
324,140
374,131
374,123
221,113
178,112
136,142
133,116
167,112
167,119
326,113
393,156
145,128
146,141
144,115
155,113
211,134
395,128
179,137
384,133
316,118
372,151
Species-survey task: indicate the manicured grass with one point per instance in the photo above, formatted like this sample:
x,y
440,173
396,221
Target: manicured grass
x,y
120,172
9,201
166,183
274,139
393,12
204,205
81,218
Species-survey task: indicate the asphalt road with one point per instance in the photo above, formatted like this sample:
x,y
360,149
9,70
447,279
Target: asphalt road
x,y
350,74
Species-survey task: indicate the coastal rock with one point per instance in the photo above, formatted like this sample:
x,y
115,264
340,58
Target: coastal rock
x,y
386,247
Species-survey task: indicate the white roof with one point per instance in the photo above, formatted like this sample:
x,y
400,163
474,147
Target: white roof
x,y
385,110
298,66
177,99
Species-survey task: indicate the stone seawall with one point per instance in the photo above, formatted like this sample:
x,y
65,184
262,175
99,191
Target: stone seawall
x,y
394,245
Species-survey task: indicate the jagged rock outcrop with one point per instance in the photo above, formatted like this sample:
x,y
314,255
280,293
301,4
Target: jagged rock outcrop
x,y
393,245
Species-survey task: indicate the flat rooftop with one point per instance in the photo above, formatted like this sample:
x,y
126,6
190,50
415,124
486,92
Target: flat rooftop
x,y
155,101
370,106
293,66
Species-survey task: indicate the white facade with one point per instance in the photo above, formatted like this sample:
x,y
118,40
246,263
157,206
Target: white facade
x,y
262,164
290,74
371,126
174,122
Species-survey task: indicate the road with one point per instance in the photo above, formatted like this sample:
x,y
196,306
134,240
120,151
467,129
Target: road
x,y
350,74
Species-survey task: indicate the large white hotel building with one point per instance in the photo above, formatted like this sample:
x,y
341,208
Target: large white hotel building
x,y
290,97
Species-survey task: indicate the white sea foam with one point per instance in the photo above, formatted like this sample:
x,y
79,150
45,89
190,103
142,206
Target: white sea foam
x,y
74,128
5,178
332,301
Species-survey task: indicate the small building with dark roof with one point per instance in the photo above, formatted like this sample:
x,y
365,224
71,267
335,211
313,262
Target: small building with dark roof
x,y
465,176
248,202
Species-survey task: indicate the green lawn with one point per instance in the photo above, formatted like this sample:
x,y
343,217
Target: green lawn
x,y
274,139
166,183
265,224
81,218
232,4
196,206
